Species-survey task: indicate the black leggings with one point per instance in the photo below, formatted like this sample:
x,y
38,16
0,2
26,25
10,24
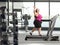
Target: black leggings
x,y
37,23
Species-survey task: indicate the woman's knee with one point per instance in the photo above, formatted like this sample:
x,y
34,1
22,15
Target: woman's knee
x,y
38,28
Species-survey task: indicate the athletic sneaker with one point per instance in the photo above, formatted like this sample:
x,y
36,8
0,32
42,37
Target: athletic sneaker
x,y
30,33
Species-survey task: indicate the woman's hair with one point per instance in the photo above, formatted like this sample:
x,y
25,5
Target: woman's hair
x,y
37,10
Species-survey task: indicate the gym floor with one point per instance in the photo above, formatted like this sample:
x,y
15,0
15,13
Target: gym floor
x,y
22,35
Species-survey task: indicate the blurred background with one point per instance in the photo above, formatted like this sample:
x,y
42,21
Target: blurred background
x,y
20,8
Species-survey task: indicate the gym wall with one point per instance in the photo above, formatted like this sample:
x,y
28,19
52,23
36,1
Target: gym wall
x,y
2,4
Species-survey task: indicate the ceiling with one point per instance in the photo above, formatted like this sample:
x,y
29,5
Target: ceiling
x,y
31,0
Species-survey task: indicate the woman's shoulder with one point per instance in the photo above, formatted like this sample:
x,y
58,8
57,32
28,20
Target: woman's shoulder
x,y
39,14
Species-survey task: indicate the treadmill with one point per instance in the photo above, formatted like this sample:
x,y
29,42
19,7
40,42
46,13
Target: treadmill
x,y
48,36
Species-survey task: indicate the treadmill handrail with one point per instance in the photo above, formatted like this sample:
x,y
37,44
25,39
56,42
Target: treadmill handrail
x,y
46,20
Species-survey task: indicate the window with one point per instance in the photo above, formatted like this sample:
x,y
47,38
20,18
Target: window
x,y
54,10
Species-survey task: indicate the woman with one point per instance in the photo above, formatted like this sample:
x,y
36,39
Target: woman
x,y
37,21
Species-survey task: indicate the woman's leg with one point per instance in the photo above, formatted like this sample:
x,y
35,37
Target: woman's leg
x,y
32,31
39,31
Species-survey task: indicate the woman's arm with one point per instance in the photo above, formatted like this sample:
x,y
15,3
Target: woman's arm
x,y
35,12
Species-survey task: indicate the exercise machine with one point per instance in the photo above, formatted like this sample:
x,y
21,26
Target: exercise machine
x,y
3,30
49,36
26,18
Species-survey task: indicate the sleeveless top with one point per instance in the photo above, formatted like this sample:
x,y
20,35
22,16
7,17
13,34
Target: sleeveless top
x,y
39,17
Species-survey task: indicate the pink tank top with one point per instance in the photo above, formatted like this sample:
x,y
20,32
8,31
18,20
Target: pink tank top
x,y
39,17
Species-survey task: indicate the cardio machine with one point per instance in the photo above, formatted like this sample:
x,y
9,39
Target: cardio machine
x,y
49,36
